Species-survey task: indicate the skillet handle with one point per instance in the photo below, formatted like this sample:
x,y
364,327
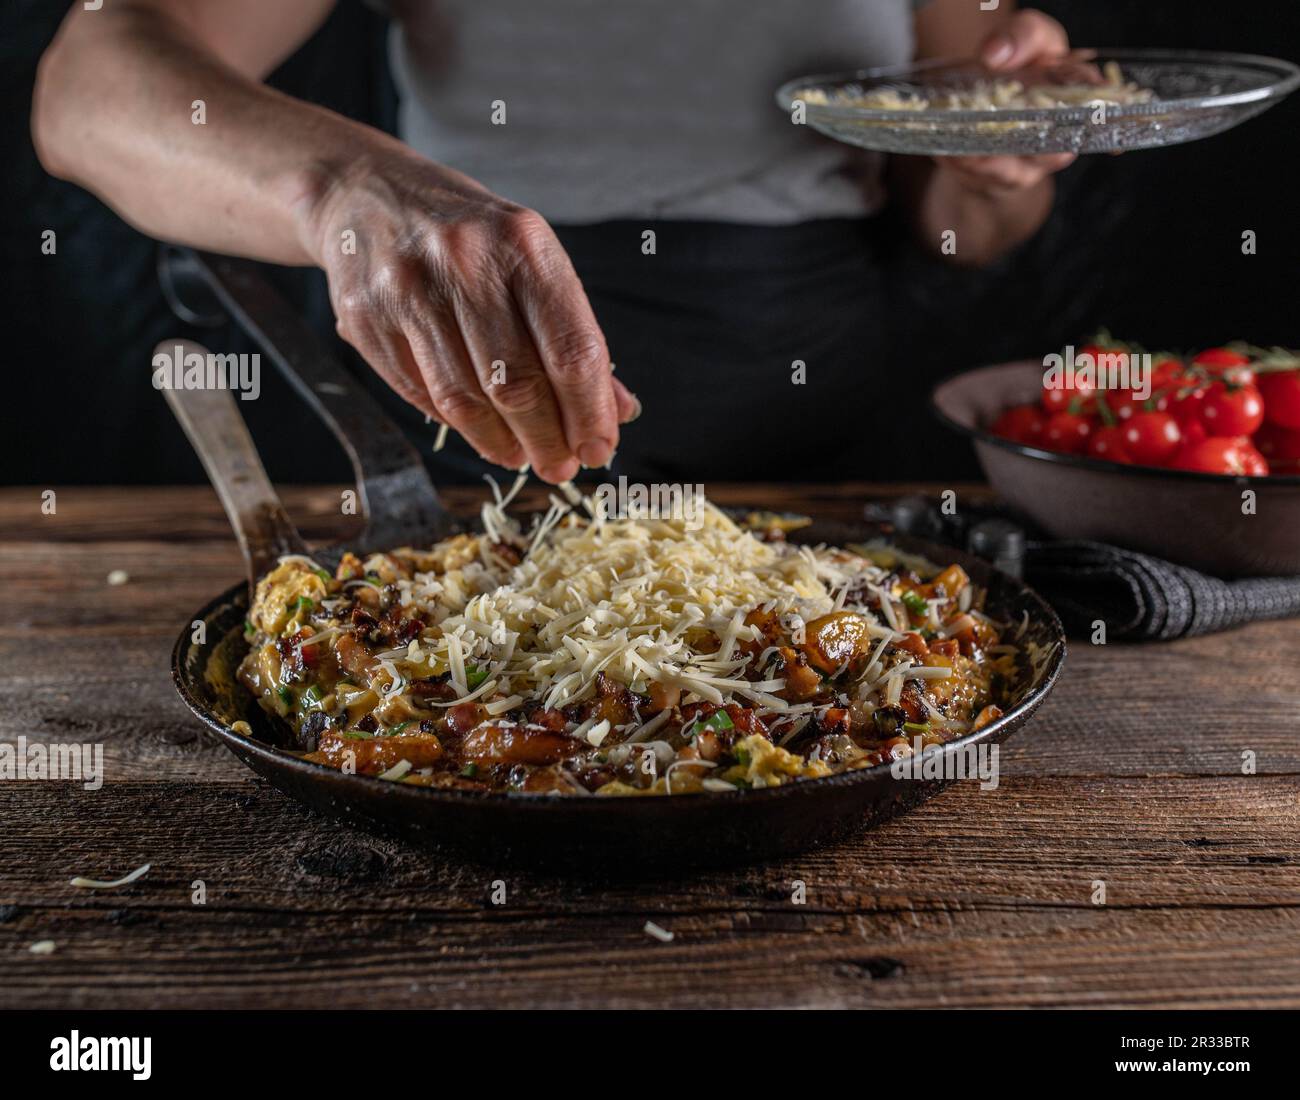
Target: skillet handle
x,y
220,438
400,503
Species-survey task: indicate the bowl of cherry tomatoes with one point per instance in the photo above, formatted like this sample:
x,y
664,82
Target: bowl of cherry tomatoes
x,y
1198,464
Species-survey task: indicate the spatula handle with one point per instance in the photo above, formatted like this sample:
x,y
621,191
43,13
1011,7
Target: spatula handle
x,y
217,432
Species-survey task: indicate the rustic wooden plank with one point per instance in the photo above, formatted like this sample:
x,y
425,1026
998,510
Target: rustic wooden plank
x,y
975,899
181,513
178,513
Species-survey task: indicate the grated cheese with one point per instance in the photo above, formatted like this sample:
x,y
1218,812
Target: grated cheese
x,y
649,600
661,934
99,884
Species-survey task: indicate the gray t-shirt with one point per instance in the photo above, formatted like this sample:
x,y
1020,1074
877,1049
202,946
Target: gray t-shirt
x,y
642,108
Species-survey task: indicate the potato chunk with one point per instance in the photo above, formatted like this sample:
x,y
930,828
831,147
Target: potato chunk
x,y
492,744
834,639
373,755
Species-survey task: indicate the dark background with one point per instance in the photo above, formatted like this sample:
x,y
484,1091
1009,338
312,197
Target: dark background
x,y
1147,244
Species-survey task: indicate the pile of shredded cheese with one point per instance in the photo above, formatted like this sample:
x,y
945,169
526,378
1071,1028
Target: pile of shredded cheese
x,y
641,600
992,95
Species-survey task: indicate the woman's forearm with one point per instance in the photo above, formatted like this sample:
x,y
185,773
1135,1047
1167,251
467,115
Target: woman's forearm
x,y
464,302
237,181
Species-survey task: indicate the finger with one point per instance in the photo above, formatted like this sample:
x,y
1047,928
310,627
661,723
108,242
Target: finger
x,y
1051,163
991,172
629,407
1012,173
510,376
443,363
383,351
569,342
1078,67
1027,36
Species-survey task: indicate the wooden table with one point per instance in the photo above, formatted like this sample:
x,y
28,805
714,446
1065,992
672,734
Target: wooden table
x,y
1131,776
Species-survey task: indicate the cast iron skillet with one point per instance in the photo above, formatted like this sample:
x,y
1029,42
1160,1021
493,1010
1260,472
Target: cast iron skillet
x,y
584,832
1192,518
575,831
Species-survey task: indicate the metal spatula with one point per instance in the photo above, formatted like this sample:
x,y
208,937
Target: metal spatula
x,y
396,494
219,436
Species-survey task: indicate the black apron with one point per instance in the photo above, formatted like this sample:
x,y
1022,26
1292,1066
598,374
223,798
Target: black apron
x,y
757,352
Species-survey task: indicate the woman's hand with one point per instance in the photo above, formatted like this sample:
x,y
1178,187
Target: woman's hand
x,y
469,308
1026,38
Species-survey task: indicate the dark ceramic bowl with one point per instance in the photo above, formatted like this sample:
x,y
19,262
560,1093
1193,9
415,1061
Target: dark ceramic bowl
x,y
604,833
1195,519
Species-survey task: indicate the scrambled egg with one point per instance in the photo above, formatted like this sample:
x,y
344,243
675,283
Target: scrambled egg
x,y
276,602
767,765
763,765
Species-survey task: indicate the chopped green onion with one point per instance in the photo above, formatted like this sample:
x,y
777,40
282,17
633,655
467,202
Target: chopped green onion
x,y
323,574
915,603
742,758
475,675
311,697
250,631
469,771
286,696
393,731
358,735
304,604
920,727
718,720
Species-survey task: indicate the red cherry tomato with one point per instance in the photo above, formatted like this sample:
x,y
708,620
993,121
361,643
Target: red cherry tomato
x,y
1253,463
1279,445
1219,358
1165,372
1078,389
1227,364
1061,399
1183,402
1220,455
1021,424
1107,443
1151,438
1281,394
1229,409
1122,403
1067,433
1193,431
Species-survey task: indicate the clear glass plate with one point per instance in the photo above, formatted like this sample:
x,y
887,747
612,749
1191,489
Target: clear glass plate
x,y
1196,94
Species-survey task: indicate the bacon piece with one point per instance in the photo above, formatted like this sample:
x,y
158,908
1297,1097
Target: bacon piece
x,y
615,703
438,688
832,721
535,714
663,697
355,658
463,717
912,643
801,681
